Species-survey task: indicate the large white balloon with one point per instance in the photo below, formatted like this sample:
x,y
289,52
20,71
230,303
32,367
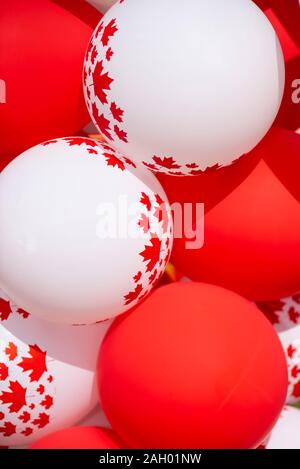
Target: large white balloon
x,y
47,374
184,86
83,235
286,434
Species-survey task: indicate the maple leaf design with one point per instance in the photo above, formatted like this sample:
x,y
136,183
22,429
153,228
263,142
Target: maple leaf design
x,y
98,30
112,160
23,313
102,122
5,309
175,173
117,112
27,431
291,351
92,151
47,402
8,429
11,351
192,165
295,371
49,142
101,82
296,390
145,200
166,162
3,372
109,54
41,389
151,253
2,415
15,398
137,277
50,379
25,417
150,166
42,420
32,406
294,315
128,161
208,170
93,54
153,277
109,31
36,363
144,223
121,134
133,295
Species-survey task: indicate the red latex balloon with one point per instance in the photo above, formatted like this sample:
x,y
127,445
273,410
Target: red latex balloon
x,y
193,366
79,438
252,221
42,46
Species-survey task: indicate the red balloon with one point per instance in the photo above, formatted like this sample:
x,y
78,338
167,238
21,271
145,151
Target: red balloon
x,y
252,221
193,366
79,438
42,47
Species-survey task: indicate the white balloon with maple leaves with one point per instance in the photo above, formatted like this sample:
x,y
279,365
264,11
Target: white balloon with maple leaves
x,y
84,234
47,374
183,88
285,434
285,316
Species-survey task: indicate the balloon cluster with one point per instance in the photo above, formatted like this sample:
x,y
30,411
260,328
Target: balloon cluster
x,y
193,111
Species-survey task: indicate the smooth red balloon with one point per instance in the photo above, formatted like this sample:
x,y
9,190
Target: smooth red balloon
x,y
79,438
42,46
252,221
193,366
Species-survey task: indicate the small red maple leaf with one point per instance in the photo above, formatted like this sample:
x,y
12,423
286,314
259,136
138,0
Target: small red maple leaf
x,y
101,82
36,363
32,406
150,166
15,398
42,420
145,200
27,431
131,296
153,277
77,141
121,134
166,162
151,253
49,142
2,415
41,389
293,315
98,30
291,351
109,54
295,371
23,313
102,122
11,351
192,165
296,390
112,160
47,402
117,112
93,54
50,378
144,223
109,31
137,277
8,429
5,309
128,161
92,151
3,372
25,417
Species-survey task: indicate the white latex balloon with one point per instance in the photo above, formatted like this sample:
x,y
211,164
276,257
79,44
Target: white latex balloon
x,y
47,374
83,235
184,87
102,5
286,434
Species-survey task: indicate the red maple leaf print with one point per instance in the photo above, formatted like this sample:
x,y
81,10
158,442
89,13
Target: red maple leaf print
x,y
151,253
192,165
8,429
117,112
11,351
175,173
102,82
27,431
144,223
109,31
137,277
150,166
294,315
3,372
49,142
112,160
295,371
93,54
77,141
32,406
42,420
133,295
128,161
97,31
15,397
109,54
2,415
145,200
166,162
291,351
41,389
102,122
296,390
296,298
50,379
47,402
121,134
23,313
5,309
36,363
25,417
211,169
92,151
153,276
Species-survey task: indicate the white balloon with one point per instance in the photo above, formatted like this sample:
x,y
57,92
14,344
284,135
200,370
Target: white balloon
x,y
47,374
286,434
83,236
102,5
182,88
